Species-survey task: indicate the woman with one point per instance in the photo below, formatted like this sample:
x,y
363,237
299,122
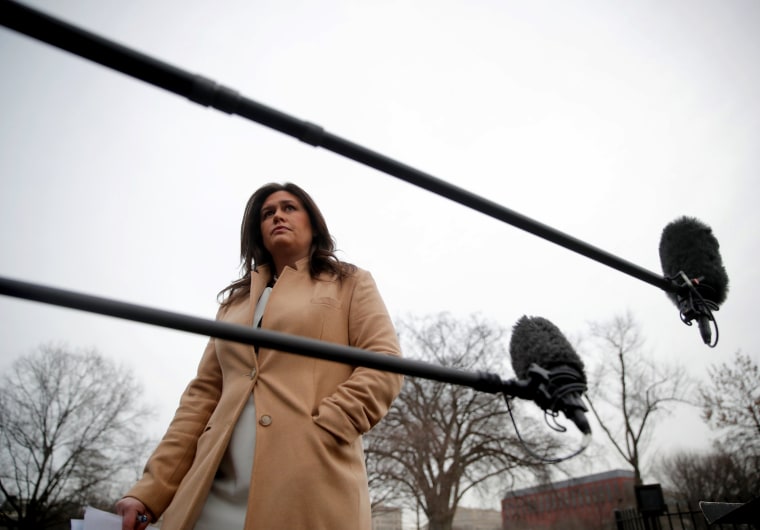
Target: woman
x,y
264,439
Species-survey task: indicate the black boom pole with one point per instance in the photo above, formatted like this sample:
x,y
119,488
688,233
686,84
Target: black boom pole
x,y
481,381
208,93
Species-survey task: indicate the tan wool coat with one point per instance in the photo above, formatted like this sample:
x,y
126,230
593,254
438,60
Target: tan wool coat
x,y
308,470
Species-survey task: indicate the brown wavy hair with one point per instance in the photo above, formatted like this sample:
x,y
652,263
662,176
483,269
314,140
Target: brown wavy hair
x,y
322,258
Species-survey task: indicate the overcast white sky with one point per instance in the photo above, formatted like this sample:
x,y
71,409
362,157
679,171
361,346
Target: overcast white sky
x,y
605,120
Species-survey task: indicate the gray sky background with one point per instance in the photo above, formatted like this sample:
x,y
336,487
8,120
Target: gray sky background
x,y
604,120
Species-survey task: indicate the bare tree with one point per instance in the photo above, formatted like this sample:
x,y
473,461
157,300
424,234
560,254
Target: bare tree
x,y
628,391
70,424
440,441
716,476
731,403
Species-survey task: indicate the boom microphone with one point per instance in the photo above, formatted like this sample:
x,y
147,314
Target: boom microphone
x,y
690,258
543,356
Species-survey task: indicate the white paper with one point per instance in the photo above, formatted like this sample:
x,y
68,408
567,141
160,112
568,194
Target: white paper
x,y
95,519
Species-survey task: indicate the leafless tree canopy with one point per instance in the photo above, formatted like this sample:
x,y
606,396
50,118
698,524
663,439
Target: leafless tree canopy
x,y
628,390
70,424
731,403
715,476
440,440
730,472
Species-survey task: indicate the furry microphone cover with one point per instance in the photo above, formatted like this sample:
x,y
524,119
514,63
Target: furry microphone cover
x,y
537,340
688,245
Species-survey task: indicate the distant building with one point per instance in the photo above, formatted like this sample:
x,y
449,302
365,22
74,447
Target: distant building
x,y
386,518
579,503
476,519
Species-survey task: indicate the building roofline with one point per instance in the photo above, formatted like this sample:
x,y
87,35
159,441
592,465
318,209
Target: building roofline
x,y
587,479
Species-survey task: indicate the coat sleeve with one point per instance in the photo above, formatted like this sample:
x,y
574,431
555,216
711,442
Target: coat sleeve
x,y
365,397
174,454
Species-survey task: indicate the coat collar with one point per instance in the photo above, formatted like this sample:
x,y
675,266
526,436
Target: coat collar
x,y
264,274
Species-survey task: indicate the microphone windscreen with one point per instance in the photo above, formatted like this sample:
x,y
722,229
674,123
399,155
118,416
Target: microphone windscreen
x,y
537,340
688,245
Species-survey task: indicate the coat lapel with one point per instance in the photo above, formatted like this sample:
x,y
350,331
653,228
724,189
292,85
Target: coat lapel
x,y
259,280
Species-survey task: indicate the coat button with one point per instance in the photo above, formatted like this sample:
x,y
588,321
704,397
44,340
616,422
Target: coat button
x,y
253,373
266,420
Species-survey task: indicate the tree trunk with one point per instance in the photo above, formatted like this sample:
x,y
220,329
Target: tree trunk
x,y
441,522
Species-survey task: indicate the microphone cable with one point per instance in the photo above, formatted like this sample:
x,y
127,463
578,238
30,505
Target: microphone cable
x,y
585,441
692,305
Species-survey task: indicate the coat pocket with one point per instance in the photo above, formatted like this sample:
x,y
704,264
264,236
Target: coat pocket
x,y
326,301
204,438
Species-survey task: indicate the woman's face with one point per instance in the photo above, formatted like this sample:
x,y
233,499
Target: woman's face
x,y
285,227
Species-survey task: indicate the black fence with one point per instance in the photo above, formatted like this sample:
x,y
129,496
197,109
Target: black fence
x,y
680,518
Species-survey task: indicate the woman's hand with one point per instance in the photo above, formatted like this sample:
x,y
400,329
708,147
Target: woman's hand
x,y
134,514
